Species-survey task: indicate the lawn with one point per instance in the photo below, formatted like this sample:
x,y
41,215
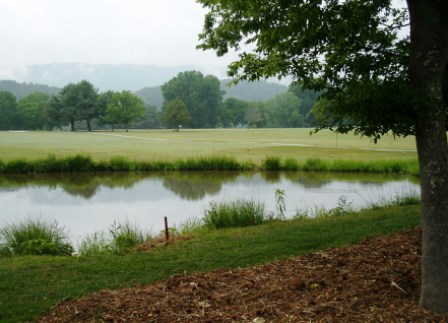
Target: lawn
x,y
242,144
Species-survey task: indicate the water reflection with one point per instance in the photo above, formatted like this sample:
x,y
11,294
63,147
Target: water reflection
x,y
86,203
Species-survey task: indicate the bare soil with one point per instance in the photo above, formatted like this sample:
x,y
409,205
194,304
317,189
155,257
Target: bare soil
x,y
375,281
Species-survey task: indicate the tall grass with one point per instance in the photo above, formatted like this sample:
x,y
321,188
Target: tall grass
x,y
122,238
239,213
81,163
35,237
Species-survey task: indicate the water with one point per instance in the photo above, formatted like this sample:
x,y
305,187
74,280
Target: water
x,y
86,203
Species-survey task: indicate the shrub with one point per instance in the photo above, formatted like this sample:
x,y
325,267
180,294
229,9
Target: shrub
x,y
36,237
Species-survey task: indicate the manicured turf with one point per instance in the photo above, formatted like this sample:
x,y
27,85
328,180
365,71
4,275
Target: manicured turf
x,y
242,144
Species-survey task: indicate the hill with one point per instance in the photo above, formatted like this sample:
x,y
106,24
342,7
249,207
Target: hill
x,y
104,76
21,90
247,91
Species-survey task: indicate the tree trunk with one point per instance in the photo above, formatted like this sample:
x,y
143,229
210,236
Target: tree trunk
x,y
428,66
89,127
72,125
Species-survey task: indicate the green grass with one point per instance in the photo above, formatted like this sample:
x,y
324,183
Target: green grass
x,y
34,237
31,285
239,213
245,145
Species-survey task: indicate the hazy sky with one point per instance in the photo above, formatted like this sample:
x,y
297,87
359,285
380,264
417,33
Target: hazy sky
x,y
161,32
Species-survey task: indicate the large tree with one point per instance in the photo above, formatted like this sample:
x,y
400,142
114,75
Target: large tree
x,y
374,79
8,111
201,94
78,101
32,109
124,107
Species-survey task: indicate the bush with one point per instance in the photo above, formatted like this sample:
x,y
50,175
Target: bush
x,y
239,213
36,237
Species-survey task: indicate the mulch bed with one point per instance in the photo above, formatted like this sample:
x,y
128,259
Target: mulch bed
x,y
376,281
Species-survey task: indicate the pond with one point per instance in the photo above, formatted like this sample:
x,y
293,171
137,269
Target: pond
x,y
86,203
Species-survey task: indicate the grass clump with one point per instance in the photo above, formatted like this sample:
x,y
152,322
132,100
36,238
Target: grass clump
x,y
271,164
121,239
208,164
35,237
239,213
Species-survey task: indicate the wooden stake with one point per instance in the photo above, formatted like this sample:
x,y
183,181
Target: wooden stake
x,y
167,233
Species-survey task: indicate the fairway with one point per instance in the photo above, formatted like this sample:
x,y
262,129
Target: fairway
x,y
242,144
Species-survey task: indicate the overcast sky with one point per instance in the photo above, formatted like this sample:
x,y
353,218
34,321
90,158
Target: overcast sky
x,y
160,32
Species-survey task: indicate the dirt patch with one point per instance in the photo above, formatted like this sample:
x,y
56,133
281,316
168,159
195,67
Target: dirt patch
x,y
376,281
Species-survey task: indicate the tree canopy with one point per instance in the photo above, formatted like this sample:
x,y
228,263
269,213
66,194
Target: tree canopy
x,y
372,77
201,95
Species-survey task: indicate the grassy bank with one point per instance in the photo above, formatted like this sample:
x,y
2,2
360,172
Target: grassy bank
x,y
31,285
83,163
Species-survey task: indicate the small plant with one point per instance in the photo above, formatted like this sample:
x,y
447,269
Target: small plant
x,y
126,236
95,244
240,213
36,237
280,204
343,207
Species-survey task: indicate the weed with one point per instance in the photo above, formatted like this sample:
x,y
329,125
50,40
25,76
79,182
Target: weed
x,y
280,204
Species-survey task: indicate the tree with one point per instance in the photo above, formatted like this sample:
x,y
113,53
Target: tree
x,y
86,105
79,103
8,111
308,98
201,95
175,113
234,110
68,100
124,107
373,80
150,119
285,110
54,113
32,109
253,115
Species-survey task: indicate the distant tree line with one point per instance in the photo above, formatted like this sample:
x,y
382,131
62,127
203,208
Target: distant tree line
x,y
191,100
76,106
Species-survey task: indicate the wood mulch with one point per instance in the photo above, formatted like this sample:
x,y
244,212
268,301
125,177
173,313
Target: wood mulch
x,y
375,281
